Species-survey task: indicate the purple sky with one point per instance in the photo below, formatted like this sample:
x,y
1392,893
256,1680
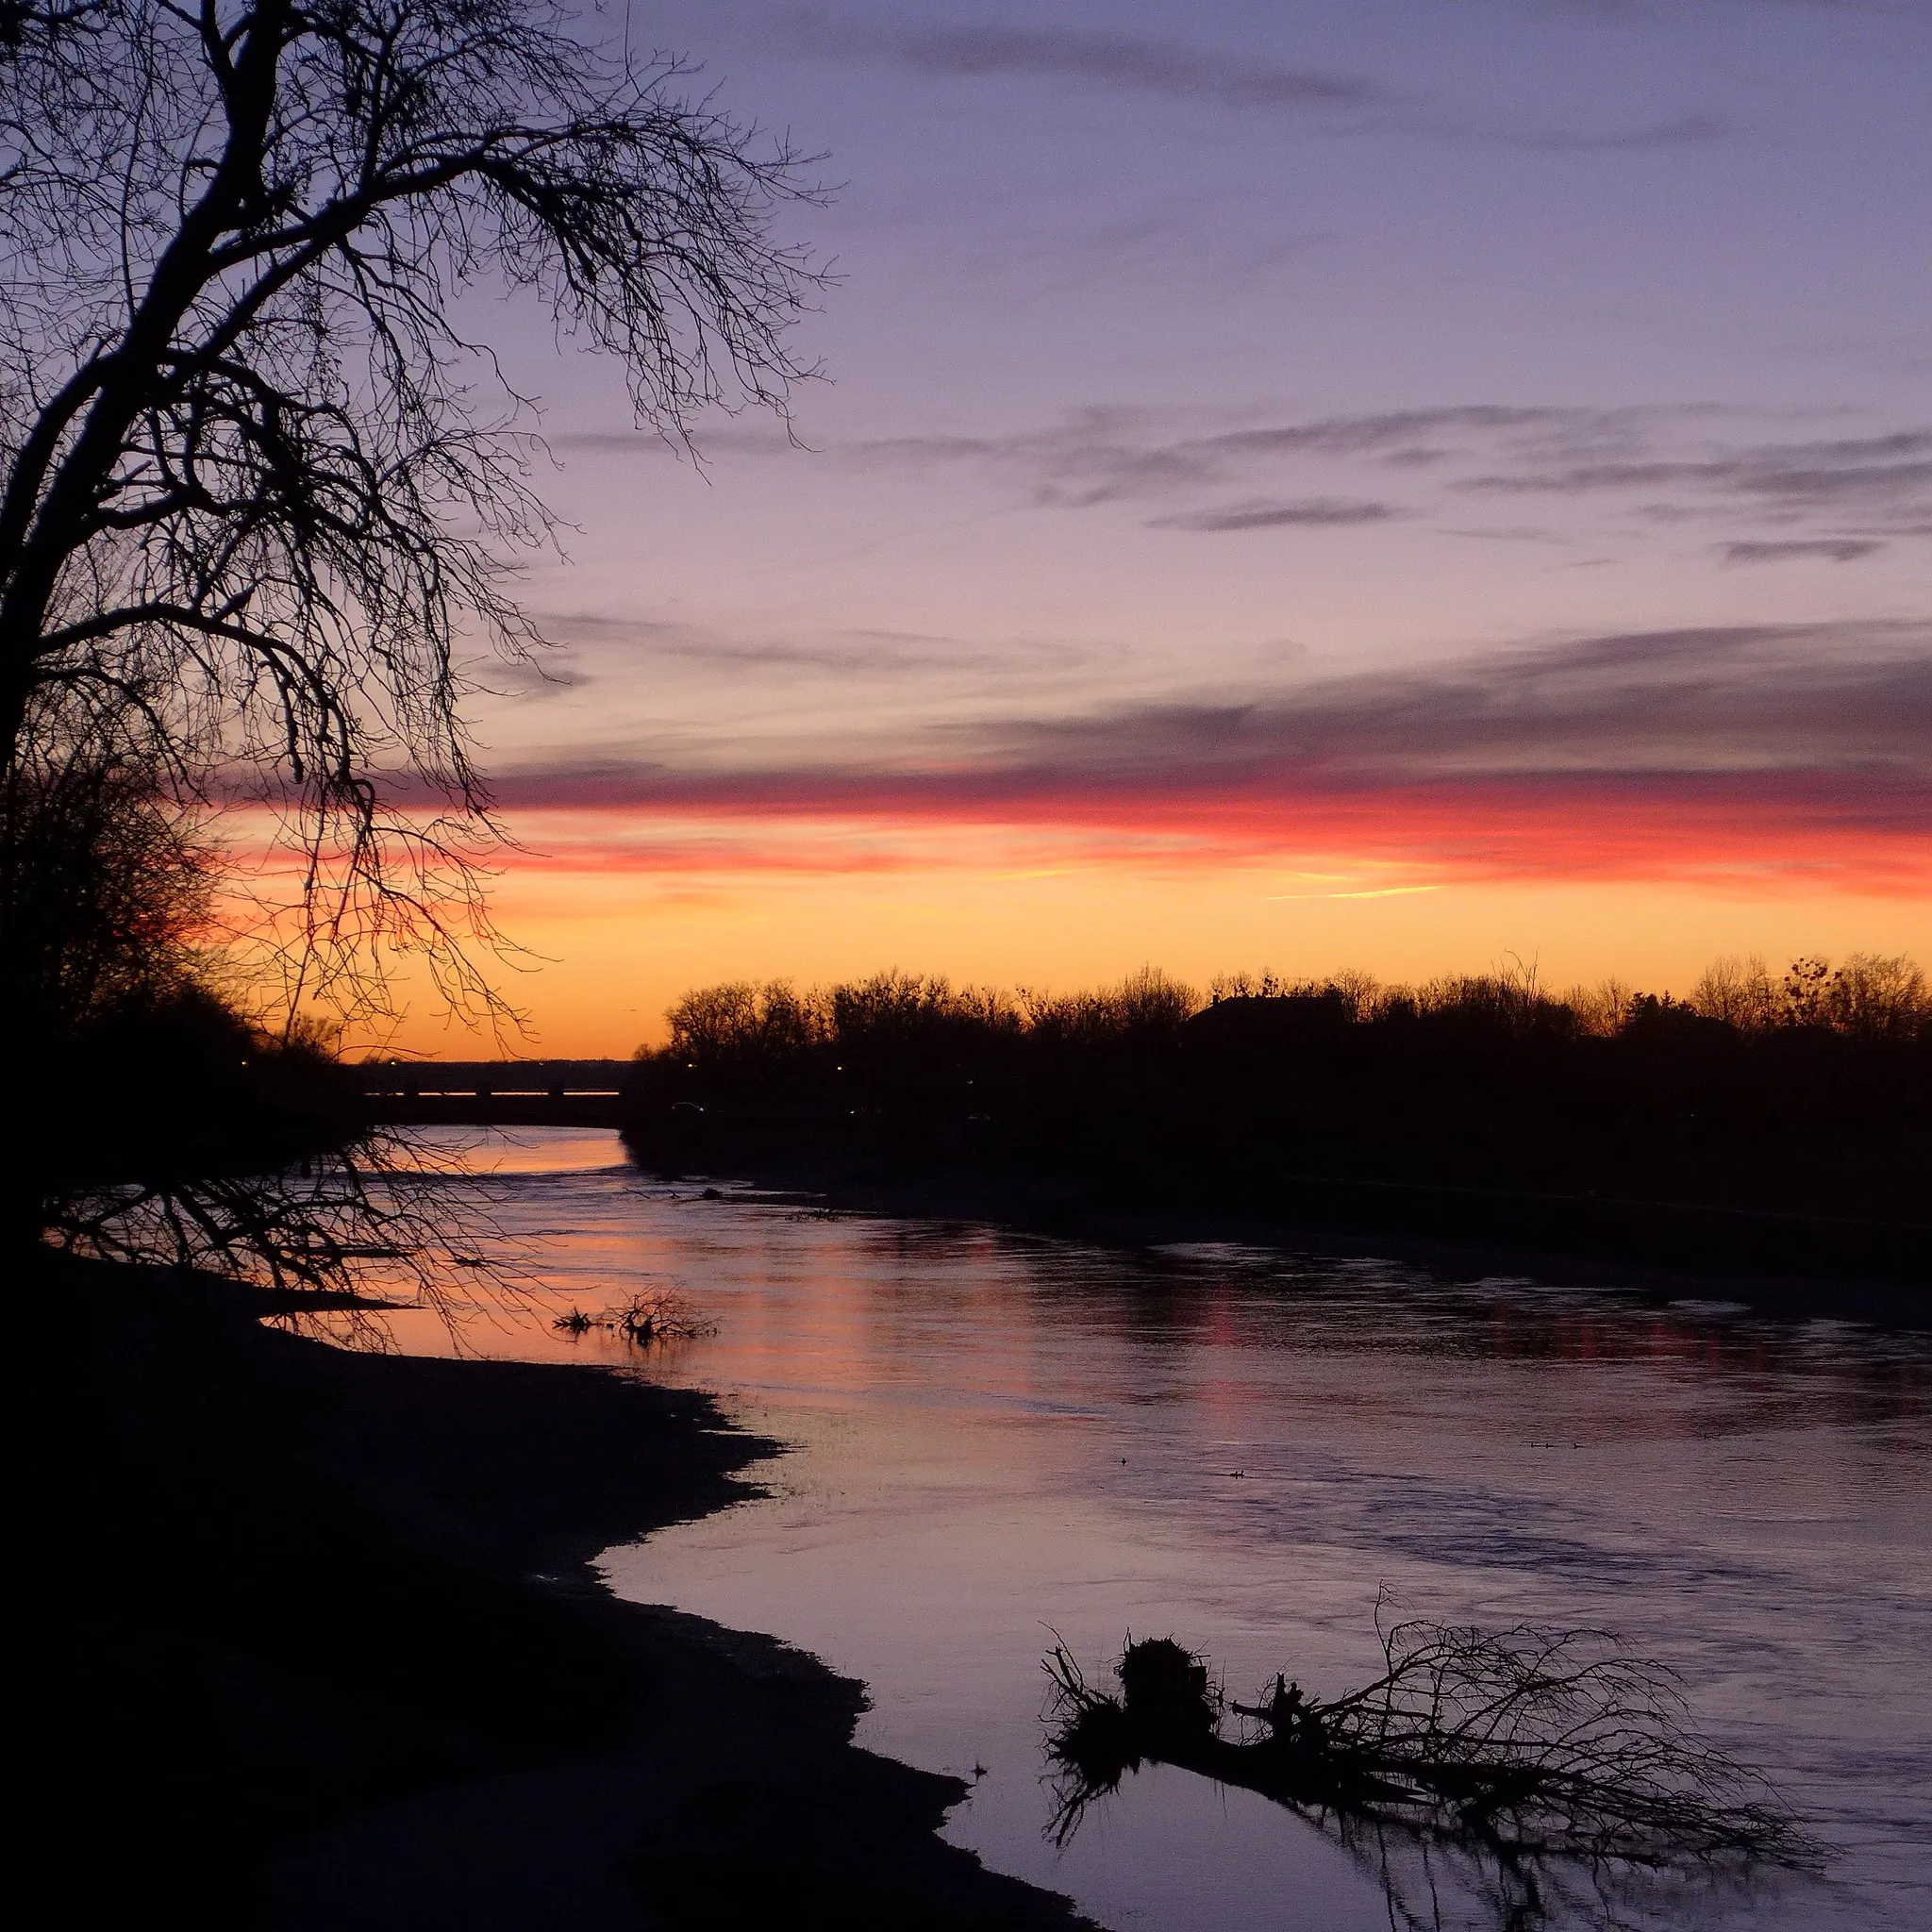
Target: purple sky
x,y
1271,362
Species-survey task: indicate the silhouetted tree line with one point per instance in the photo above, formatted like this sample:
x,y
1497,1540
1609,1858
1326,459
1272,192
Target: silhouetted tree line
x,y
1760,1123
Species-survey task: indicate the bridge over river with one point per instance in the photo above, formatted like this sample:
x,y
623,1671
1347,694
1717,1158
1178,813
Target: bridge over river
x,y
559,1093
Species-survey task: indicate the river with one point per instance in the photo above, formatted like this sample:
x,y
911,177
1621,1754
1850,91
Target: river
x,y
997,1438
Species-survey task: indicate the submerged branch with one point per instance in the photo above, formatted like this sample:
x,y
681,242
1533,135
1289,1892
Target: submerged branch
x,y
651,1316
1536,1757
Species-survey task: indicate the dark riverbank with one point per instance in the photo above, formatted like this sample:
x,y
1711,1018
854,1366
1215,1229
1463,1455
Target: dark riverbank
x,y
313,1640
1480,1119
1049,1209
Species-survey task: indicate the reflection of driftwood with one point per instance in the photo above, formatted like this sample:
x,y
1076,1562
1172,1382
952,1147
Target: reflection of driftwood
x,y
1524,1751
655,1315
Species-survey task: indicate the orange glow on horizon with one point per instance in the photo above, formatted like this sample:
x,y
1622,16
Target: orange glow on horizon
x,y
622,909
612,949
1736,837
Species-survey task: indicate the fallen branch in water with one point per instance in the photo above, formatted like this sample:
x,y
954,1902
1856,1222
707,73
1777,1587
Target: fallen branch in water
x,y
1528,1747
653,1315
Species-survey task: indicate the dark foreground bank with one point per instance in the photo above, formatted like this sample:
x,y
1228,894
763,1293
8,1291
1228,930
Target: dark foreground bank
x,y
313,1640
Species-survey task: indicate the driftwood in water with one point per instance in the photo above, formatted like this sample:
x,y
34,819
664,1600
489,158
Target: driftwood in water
x,y
655,1315
1530,1748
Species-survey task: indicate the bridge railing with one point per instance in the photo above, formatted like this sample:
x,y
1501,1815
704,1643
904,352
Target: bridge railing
x,y
493,1079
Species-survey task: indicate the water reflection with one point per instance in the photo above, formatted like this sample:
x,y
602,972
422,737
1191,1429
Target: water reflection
x,y
996,1433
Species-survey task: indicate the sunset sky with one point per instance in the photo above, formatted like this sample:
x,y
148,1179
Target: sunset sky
x,y
1395,485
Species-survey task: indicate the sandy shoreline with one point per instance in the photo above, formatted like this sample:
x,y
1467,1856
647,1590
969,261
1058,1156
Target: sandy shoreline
x,y
320,1644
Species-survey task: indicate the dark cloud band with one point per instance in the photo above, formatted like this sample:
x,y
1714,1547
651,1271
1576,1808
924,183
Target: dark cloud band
x,y
1781,739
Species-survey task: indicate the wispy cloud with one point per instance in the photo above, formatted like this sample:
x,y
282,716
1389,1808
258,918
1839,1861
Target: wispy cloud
x,y
1126,60
1242,81
859,652
1097,456
1319,512
1666,461
545,673
1873,470
1134,62
1832,549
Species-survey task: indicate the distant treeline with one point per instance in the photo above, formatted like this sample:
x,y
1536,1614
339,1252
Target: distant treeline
x,y
1764,1122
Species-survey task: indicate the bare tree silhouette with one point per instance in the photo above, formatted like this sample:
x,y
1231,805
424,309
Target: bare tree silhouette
x,y
260,491
257,484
